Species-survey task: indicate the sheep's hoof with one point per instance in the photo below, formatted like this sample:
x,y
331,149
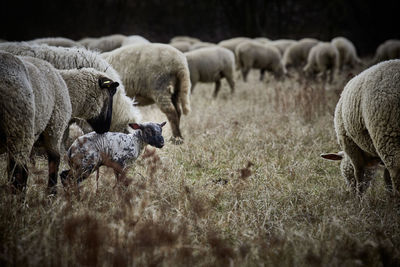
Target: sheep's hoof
x,y
176,140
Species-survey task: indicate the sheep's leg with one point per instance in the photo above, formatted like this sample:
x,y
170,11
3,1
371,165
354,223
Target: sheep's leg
x,y
97,179
54,164
192,88
245,72
17,174
173,117
262,74
217,88
230,82
388,180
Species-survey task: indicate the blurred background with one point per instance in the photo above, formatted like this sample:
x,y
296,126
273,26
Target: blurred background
x,y
366,23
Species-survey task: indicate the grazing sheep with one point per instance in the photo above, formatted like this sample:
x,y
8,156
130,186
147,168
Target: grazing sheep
x,y
282,44
188,39
211,64
86,41
182,46
37,104
390,49
200,45
56,41
323,61
347,53
232,43
135,39
107,43
251,54
295,56
155,73
124,110
367,126
93,150
262,40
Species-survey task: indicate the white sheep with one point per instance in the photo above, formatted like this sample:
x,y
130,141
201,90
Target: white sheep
x,y
232,43
390,49
262,40
211,64
135,39
347,53
295,56
282,44
38,102
124,110
201,45
107,43
323,61
56,41
93,150
367,125
182,46
253,55
188,39
155,73
86,41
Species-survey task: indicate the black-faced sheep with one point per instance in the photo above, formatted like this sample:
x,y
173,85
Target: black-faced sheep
x,y
295,56
253,55
124,111
37,104
211,64
322,61
390,49
93,150
367,126
347,53
155,73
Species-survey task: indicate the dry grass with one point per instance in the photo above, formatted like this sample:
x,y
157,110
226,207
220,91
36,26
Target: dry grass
x,y
247,188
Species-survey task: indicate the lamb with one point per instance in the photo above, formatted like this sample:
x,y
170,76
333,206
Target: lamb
x,y
191,40
347,53
367,126
135,39
250,54
155,73
232,43
182,46
37,104
211,64
107,43
295,56
390,49
124,110
56,41
323,60
93,150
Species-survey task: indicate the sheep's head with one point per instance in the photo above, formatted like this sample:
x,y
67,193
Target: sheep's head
x,y
151,133
102,122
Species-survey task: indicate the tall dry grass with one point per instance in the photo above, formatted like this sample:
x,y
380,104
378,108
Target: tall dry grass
x,y
247,188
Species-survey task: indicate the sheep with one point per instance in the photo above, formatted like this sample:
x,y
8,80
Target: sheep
x,y
323,61
182,46
56,41
295,56
250,54
188,39
390,49
135,39
262,40
232,43
201,45
367,126
86,41
37,104
155,73
124,110
211,64
282,44
93,150
74,131
107,43
347,53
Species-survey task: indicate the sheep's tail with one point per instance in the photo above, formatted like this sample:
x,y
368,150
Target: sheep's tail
x,y
184,90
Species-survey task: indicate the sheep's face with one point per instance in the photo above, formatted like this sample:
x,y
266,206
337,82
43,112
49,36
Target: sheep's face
x,y
151,133
102,122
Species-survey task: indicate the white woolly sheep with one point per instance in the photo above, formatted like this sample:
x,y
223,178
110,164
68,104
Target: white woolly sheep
x,y
347,53
188,39
211,64
282,44
262,40
182,46
135,39
107,43
37,105
253,55
124,110
56,41
323,61
201,45
155,73
367,125
232,43
86,41
93,150
295,56
390,49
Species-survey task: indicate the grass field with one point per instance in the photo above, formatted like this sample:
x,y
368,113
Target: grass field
x,y
247,188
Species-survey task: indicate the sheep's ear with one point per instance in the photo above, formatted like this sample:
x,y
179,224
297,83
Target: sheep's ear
x,y
134,126
163,123
106,83
333,156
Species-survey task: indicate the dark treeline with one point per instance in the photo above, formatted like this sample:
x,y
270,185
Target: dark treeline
x,y
366,23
